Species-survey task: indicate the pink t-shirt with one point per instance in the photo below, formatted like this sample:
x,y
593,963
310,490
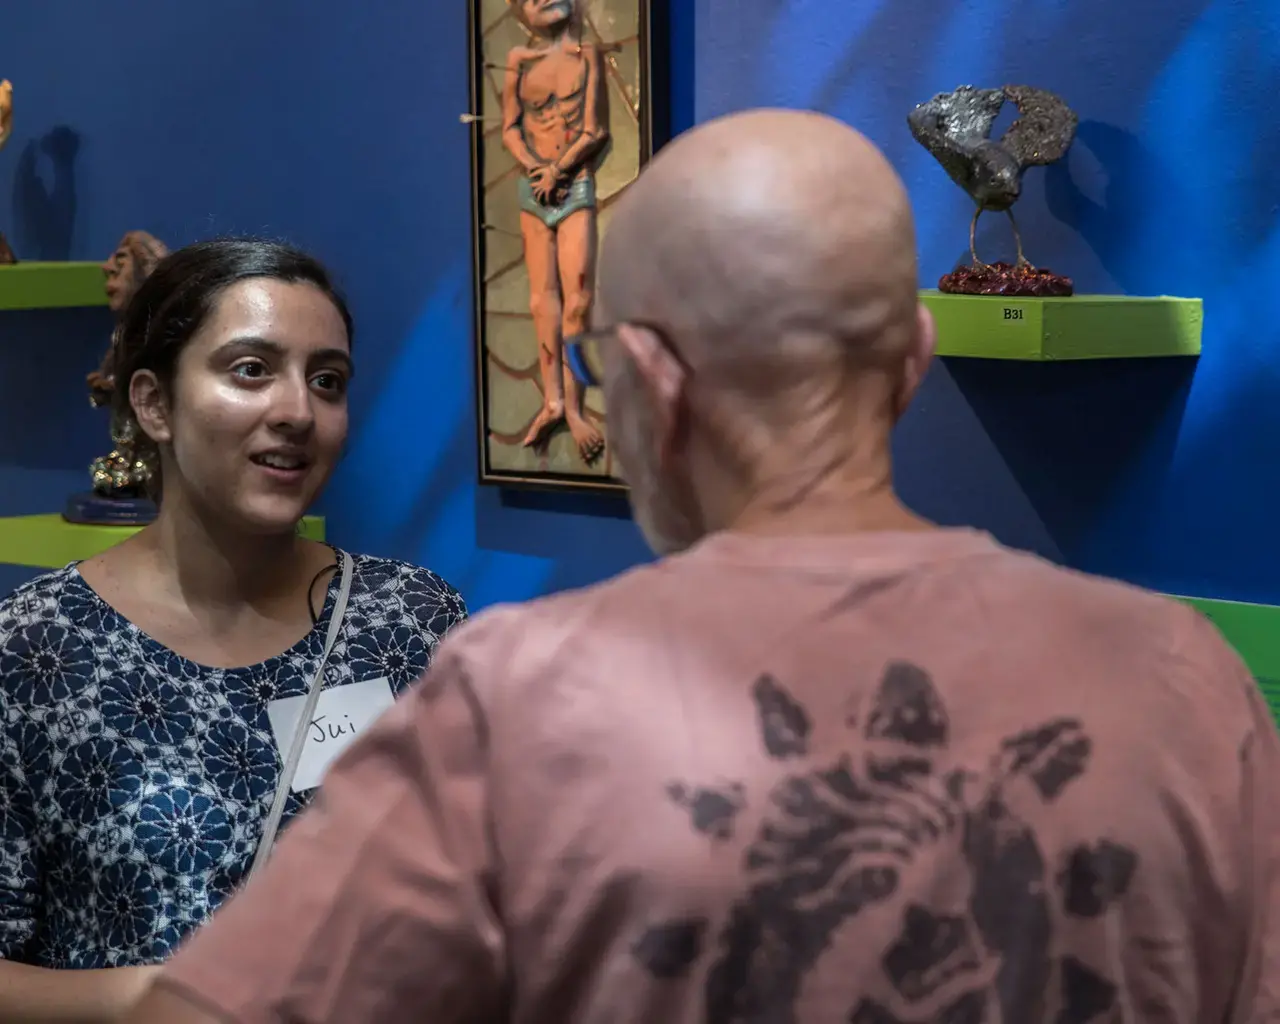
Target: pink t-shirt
x,y
884,779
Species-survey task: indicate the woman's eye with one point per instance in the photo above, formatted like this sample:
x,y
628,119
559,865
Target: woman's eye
x,y
250,370
330,382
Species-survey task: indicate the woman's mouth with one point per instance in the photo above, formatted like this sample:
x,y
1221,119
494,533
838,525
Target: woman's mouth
x,y
282,466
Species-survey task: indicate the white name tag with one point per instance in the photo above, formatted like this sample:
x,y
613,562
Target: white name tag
x,y
342,713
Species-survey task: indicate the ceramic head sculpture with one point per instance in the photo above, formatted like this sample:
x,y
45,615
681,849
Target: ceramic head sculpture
x,y
121,474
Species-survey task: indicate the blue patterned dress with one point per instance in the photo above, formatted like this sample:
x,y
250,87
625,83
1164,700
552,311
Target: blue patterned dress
x,y
134,783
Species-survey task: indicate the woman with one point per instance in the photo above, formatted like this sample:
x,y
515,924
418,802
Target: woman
x,y
151,696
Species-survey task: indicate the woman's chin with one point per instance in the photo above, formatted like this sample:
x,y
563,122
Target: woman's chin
x,y
268,517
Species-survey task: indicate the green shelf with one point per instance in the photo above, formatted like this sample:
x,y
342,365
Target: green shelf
x,y
1077,327
48,541
1254,631
51,285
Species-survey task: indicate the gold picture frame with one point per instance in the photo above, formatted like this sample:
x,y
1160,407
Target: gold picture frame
x,y
508,377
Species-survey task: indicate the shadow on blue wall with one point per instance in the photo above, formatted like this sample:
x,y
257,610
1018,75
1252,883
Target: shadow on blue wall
x,y
338,128
1077,435
45,208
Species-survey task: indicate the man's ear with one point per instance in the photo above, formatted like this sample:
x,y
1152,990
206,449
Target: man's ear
x,y
661,372
919,356
150,407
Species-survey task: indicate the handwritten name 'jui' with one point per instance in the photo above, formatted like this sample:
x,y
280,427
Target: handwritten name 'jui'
x,y
333,730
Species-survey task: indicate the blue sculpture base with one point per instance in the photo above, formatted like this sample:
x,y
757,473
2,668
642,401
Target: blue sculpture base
x,y
94,509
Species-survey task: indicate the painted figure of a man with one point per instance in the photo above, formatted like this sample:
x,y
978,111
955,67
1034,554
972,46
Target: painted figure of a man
x,y
555,124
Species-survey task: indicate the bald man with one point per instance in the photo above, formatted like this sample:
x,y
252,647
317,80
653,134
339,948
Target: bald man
x,y
821,763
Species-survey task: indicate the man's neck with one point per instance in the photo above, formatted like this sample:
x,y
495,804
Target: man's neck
x,y
851,492
217,570
831,513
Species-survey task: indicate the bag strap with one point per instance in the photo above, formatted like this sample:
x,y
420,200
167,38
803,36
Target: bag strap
x,y
290,768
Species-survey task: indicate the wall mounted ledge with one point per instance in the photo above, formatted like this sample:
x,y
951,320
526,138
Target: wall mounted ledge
x,y
1055,329
51,285
48,541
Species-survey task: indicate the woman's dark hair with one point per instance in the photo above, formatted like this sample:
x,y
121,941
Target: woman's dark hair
x,y
172,304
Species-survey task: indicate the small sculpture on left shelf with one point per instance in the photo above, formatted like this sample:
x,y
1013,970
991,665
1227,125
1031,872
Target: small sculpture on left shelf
x,y
6,129
120,477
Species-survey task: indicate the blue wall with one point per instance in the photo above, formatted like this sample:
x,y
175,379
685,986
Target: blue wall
x,y
340,131
1158,473
335,125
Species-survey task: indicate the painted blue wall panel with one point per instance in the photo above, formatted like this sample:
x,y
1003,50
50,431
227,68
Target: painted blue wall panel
x,y
336,125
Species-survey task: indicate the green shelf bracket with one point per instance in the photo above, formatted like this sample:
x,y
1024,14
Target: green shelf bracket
x,y
1254,631
51,285
1078,327
48,541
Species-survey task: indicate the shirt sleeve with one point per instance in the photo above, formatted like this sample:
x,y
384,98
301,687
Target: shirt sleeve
x,y
19,877
456,611
378,903
445,611
1250,954
1259,998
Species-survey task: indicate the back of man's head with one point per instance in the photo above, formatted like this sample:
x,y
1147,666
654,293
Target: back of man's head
x,y
762,277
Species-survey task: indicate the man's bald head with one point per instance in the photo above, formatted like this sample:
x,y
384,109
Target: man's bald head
x,y
764,228
761,273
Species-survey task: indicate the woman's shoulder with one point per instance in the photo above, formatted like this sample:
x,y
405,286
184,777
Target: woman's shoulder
x,y
387,588
38,600
48,652
394,574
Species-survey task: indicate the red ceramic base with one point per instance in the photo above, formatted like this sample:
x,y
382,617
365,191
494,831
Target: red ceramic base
x,y
1008,280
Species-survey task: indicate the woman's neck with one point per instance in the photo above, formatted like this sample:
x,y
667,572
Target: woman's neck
x,y
215,567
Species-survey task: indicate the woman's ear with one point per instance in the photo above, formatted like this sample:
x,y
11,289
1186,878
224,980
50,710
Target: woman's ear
x,y
150,407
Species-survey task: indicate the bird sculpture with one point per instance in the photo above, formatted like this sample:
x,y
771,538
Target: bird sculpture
x,y
6,129
956,128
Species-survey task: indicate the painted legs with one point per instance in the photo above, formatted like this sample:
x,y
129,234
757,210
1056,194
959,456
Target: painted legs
x,y
577,259
544,304
562,267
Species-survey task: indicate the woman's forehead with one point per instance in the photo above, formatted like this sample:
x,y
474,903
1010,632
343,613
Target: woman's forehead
x,y
280,311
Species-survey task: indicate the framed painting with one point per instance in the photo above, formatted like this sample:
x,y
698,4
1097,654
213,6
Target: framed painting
x,y
564,113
